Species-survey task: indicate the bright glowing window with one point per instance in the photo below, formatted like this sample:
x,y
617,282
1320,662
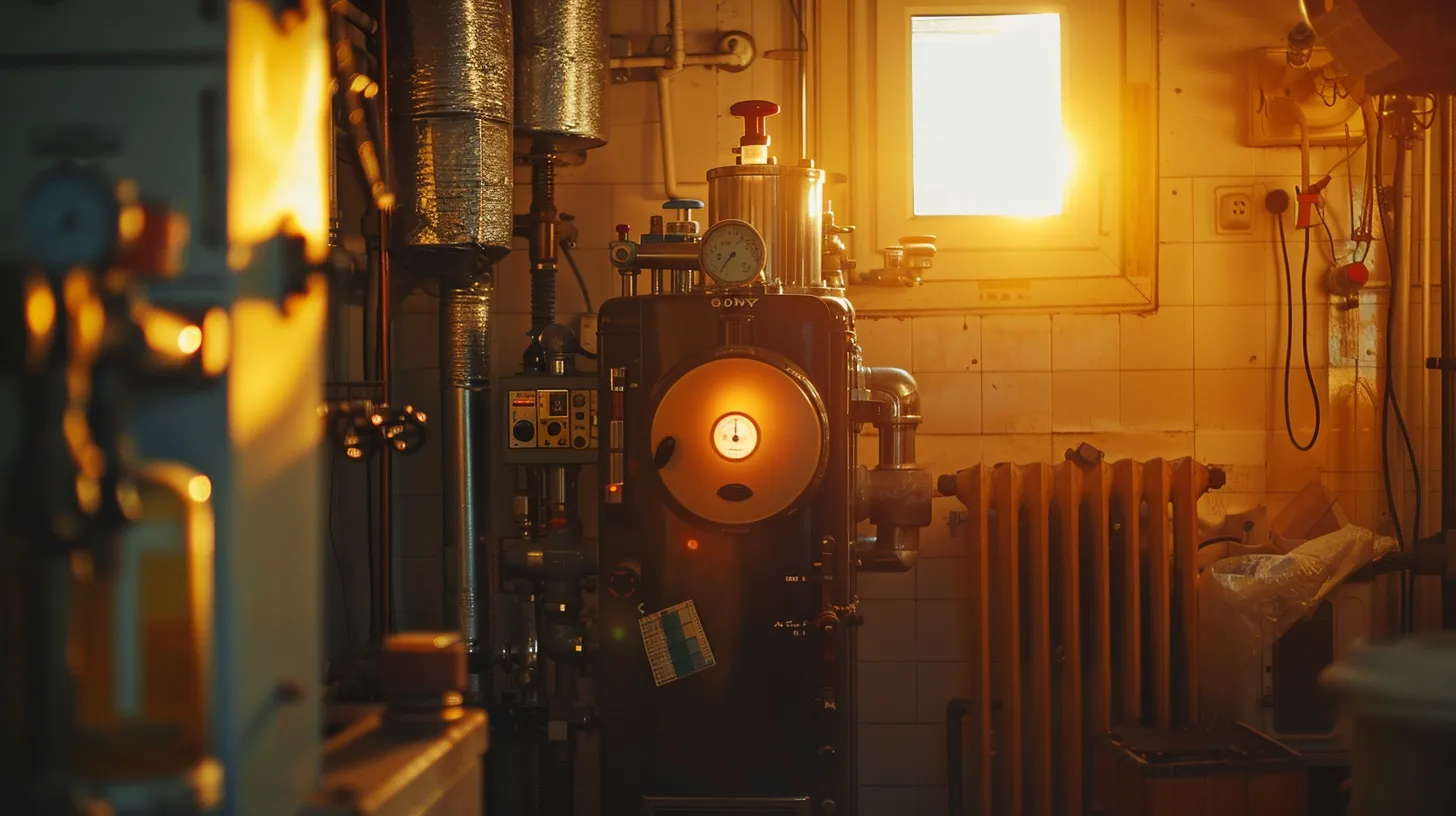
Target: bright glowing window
x,y
986,118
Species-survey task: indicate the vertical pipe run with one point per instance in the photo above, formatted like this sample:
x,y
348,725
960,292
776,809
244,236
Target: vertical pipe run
x,y
1447,131
465,405
543,243
384,611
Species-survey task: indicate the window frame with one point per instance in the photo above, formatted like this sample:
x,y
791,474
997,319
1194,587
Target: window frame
x,y
1099,255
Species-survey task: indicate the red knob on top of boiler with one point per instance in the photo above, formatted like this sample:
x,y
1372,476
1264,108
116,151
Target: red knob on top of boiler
x,y
754,112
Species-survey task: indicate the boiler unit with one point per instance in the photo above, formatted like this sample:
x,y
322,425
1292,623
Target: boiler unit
x,y
730,399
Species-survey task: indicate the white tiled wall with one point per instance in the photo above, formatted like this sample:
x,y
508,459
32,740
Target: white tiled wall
x,y
1201,377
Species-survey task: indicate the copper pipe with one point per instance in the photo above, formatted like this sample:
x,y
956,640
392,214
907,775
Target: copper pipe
x,y
384,609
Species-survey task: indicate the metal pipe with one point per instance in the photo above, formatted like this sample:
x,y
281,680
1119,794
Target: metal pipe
x,y
899,491
679,49
384,613
1448,336
669,150
1400,294
667,256
543,243
1428,222
955,768
452,79
561,74
714,59
896,388
465,405
803,80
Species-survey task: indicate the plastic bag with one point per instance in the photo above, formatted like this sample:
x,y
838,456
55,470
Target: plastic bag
x,y
1248,602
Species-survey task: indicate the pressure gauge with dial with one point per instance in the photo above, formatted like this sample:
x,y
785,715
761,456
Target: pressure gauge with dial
x,y
732,252
71,219
735,436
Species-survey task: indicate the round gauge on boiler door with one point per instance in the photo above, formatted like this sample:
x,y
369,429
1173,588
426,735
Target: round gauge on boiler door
x,y
732,252
735,436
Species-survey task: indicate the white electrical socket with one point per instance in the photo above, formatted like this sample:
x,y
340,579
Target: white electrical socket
x,y
586,332
1234,210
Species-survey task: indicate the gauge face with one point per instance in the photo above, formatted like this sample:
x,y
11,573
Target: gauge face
x,y
735,436
71,220
732,252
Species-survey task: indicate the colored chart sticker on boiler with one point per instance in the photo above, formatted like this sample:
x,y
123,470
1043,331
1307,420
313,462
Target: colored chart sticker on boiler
x,y
675,643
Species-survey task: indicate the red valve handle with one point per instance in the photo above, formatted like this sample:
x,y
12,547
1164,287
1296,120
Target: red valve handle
x,y
622,231
754,112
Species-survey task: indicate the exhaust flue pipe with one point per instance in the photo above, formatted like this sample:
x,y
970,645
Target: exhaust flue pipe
x,y
465,404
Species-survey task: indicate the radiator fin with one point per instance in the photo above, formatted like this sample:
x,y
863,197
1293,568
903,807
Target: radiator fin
x,y
1083,617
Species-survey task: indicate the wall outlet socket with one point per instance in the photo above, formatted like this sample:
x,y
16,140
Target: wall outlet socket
x,y
1234,210
586,332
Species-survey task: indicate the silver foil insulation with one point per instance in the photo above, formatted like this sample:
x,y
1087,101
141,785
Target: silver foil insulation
x,y
465,329
561,74
452,114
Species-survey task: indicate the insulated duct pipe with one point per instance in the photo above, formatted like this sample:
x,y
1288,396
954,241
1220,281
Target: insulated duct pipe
x,y
898,492
561,74
465,405
451,68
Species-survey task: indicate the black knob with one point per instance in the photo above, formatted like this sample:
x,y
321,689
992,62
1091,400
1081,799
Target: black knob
x,y
553,428
524,430
578,442
624,579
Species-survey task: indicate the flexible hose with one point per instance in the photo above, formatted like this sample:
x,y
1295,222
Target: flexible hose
x,y
1289,337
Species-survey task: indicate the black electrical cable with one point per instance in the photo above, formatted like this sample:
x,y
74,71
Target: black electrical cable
x,y
1390,402
580,281
1289,336
1325,222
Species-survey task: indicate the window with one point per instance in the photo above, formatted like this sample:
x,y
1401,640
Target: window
x,y
986,97
1020,133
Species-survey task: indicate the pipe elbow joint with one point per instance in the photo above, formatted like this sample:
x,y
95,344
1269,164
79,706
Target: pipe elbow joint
x,y
899,390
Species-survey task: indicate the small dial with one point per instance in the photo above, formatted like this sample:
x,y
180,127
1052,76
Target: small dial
x,y
732,252
71,219
735,436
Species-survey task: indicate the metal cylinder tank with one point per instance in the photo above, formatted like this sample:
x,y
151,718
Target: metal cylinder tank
x,y
451,68
786,204
561,74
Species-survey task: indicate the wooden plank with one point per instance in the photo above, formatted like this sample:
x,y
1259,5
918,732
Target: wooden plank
x,y
1073,744
1158,559
1036,498
1127,492
1190,481
1006,639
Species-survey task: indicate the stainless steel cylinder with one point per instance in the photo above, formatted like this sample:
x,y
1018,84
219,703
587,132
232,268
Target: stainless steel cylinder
x,y
786,204
465,405
561,74
451,68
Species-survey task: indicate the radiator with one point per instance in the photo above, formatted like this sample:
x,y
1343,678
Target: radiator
x,y
1083,616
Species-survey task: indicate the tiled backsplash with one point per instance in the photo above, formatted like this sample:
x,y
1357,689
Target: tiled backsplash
x,y
1203,376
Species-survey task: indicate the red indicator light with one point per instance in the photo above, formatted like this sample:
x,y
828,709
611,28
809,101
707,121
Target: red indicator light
x,y
692,543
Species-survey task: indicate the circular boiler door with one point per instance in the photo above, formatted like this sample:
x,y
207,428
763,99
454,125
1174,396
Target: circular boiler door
x,y
738,440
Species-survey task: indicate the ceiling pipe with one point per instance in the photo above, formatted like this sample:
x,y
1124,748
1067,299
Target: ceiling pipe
x,y
664,99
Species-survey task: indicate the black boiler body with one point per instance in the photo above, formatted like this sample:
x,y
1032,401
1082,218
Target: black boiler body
x,y
727,506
